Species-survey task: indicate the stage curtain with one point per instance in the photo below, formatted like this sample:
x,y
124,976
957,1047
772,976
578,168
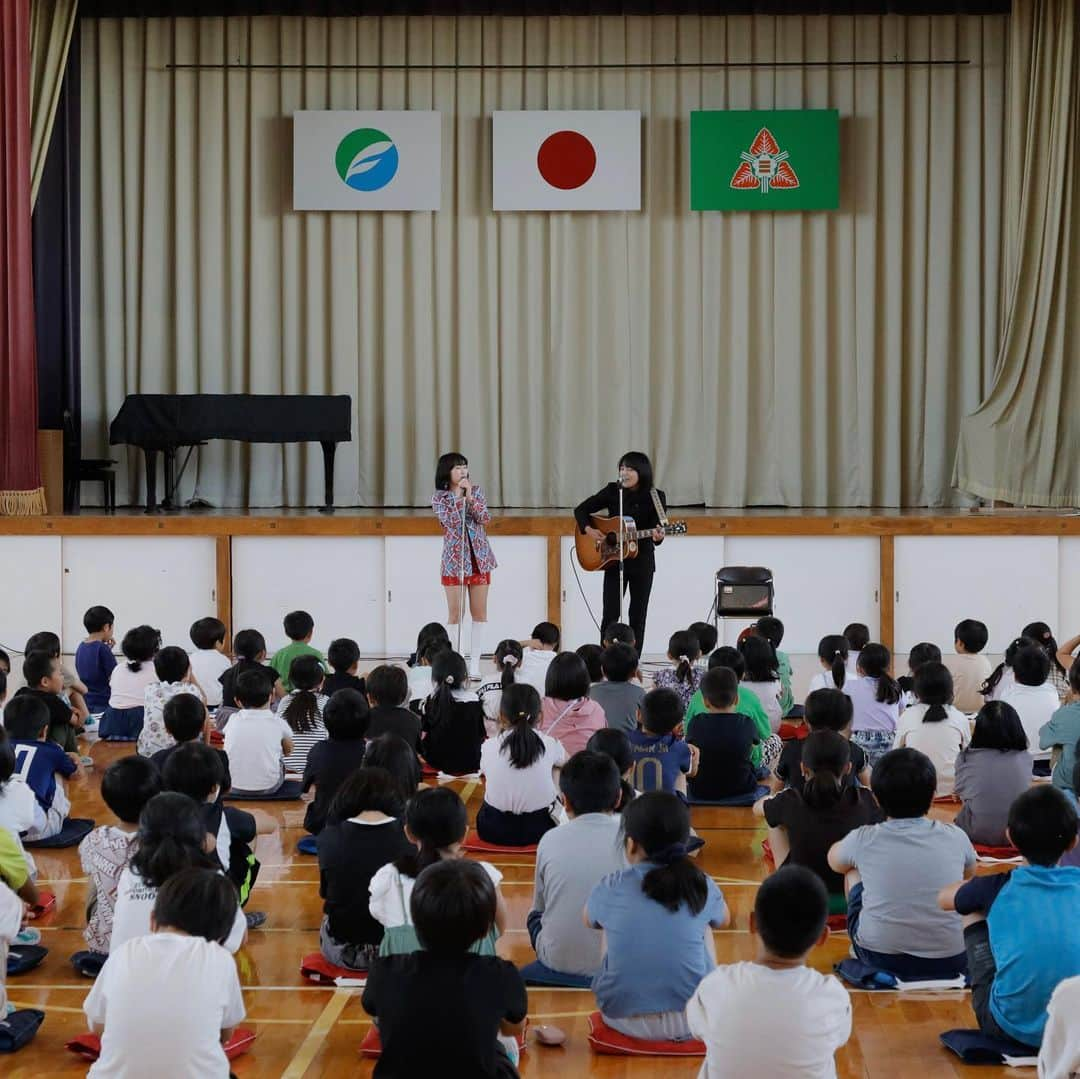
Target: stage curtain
x,y
1022,445
817,359
20,482
51,24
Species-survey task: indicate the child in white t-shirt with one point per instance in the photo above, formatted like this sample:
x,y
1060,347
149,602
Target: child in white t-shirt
x,y
933,726
537,653
173,669
1059,1057
11,919
209,661
788,921
1032,694
519,767
123,718
256,741
168,999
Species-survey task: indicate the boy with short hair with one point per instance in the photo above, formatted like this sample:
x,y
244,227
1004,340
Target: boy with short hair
x,y
42,764
73,692
343,655
662,758
387,691
127,785
299,627
186,720
192,1011
725,740
45,682
894,871
788,922
707,636
337,756
441,1010
209,661
1021,932
173,668
748,703
570,861
94,659
825,710
256,740
620,694
539,650
969,668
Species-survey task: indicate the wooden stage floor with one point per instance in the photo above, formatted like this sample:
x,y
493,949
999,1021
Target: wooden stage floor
x,y
305,1030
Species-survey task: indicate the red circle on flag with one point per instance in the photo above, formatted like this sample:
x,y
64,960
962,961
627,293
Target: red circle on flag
x,y
566,160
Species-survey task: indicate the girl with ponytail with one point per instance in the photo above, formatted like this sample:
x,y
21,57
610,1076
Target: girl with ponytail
x,y
172,837
656,917
802,827
1043,636
302,708
452,723
933,726
875,700
507,660
833,653
519,766
684,651
762,677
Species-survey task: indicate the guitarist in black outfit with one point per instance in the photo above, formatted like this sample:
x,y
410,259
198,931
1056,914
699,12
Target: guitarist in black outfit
x,y
636,478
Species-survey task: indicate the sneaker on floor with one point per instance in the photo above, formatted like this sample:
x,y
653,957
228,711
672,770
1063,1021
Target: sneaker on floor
x,y
255,918
28,935
87,761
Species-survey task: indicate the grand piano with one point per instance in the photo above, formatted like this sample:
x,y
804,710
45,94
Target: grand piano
x,y
165,423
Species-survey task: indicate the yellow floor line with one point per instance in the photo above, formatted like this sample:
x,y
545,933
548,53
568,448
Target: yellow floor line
x,y
467,792
318,1034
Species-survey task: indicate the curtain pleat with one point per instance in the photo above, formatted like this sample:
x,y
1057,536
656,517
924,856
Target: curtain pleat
x,y
51,26
812,359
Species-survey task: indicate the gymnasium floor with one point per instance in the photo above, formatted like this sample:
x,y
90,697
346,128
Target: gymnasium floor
x,y
305,1030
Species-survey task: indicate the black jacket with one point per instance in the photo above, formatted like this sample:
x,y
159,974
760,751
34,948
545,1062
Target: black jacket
x,y
636,503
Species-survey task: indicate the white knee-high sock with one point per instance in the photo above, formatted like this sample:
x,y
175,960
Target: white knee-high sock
x,y
476,647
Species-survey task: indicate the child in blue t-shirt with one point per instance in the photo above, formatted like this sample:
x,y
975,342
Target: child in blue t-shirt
x,y
657,917
662,759
1021,932
39,761
94,659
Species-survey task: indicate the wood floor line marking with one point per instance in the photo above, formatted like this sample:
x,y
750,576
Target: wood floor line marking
x,y
318,1034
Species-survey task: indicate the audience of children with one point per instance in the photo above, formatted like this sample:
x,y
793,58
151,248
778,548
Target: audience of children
x,y
833,655
991,773
620,693
537,655
788,921
256,740
507,660
299,627
933,726
1032,694
388,692
567,711
969,667
723,740
123,718
656,917
1062,731
453,719
45,683
173,669
762,677
684,651
343,657
302,709
1021,934
894,870
209,660
332,761
572,859
825,710
435,825
518,765
94,659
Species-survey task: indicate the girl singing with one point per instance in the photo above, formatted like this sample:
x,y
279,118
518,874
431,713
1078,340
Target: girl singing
x,y
455,494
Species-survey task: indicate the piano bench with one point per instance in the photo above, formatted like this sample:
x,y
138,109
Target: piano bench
x,y
98,470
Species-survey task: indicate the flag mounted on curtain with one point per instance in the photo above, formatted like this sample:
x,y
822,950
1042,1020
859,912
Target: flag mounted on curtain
x,y
578,160
784,159
346,160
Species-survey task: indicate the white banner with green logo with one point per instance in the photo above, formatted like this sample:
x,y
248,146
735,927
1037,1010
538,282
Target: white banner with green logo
x,y
347,160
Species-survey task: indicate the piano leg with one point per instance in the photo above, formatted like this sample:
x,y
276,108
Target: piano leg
x,y
150,457
328,451
169,456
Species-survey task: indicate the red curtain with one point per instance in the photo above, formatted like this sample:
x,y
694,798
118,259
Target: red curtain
x,y
20,479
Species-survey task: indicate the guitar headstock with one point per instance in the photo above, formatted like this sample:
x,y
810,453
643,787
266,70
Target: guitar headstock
x,y
676,528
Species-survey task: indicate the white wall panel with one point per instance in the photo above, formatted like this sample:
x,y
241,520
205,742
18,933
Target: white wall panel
x,y
31,596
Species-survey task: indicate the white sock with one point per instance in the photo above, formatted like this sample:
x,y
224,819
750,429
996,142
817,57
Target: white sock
x,y
452,633
476,647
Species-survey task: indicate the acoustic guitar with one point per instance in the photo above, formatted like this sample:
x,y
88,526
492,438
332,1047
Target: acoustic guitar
x,y
598,554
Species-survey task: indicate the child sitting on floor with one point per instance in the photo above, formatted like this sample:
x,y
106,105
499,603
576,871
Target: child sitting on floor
x,y
40,762
875,702
126,787
256,740
441,1010
1021,933
571,860
302,709
537,655
707,636
364,832
453,720
590,655
299,627
991,773
19,810
186,720
332,761
762,677
747,704
395,755
803,825
857,635
45,683
772,629
663,759
567,711
1059,1057
1001,677
343,655
933,726
249,647
620,693
387,693
1062,731
825,710
894,870
507,661
73,689
11,919
209,661
684,650
177,981
435,825
94,659
969,667
619,633
123,718
171,837
1033,695
788,922
833,656
656,917
173,669
518,767
724,741
616,745
430,641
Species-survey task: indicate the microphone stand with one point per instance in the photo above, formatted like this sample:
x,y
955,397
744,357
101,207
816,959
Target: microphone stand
x,y
461,574
622,556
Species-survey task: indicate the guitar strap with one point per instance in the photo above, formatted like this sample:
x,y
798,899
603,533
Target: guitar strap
x,y
661,515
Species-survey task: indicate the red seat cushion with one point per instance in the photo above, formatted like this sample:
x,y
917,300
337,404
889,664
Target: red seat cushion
x,y
45,905
611,1043
475,844
427,770
88,1046
217,738
986,851
371,1046
316,968
239,1043
837,922
793,732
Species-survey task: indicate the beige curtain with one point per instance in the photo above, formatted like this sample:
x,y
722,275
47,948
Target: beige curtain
x,y
1022,444
819,359
51,24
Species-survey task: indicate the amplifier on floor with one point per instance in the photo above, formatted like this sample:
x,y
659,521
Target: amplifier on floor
x,y
743,591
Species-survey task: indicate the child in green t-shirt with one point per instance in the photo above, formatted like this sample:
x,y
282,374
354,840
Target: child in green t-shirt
x,y
299,627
